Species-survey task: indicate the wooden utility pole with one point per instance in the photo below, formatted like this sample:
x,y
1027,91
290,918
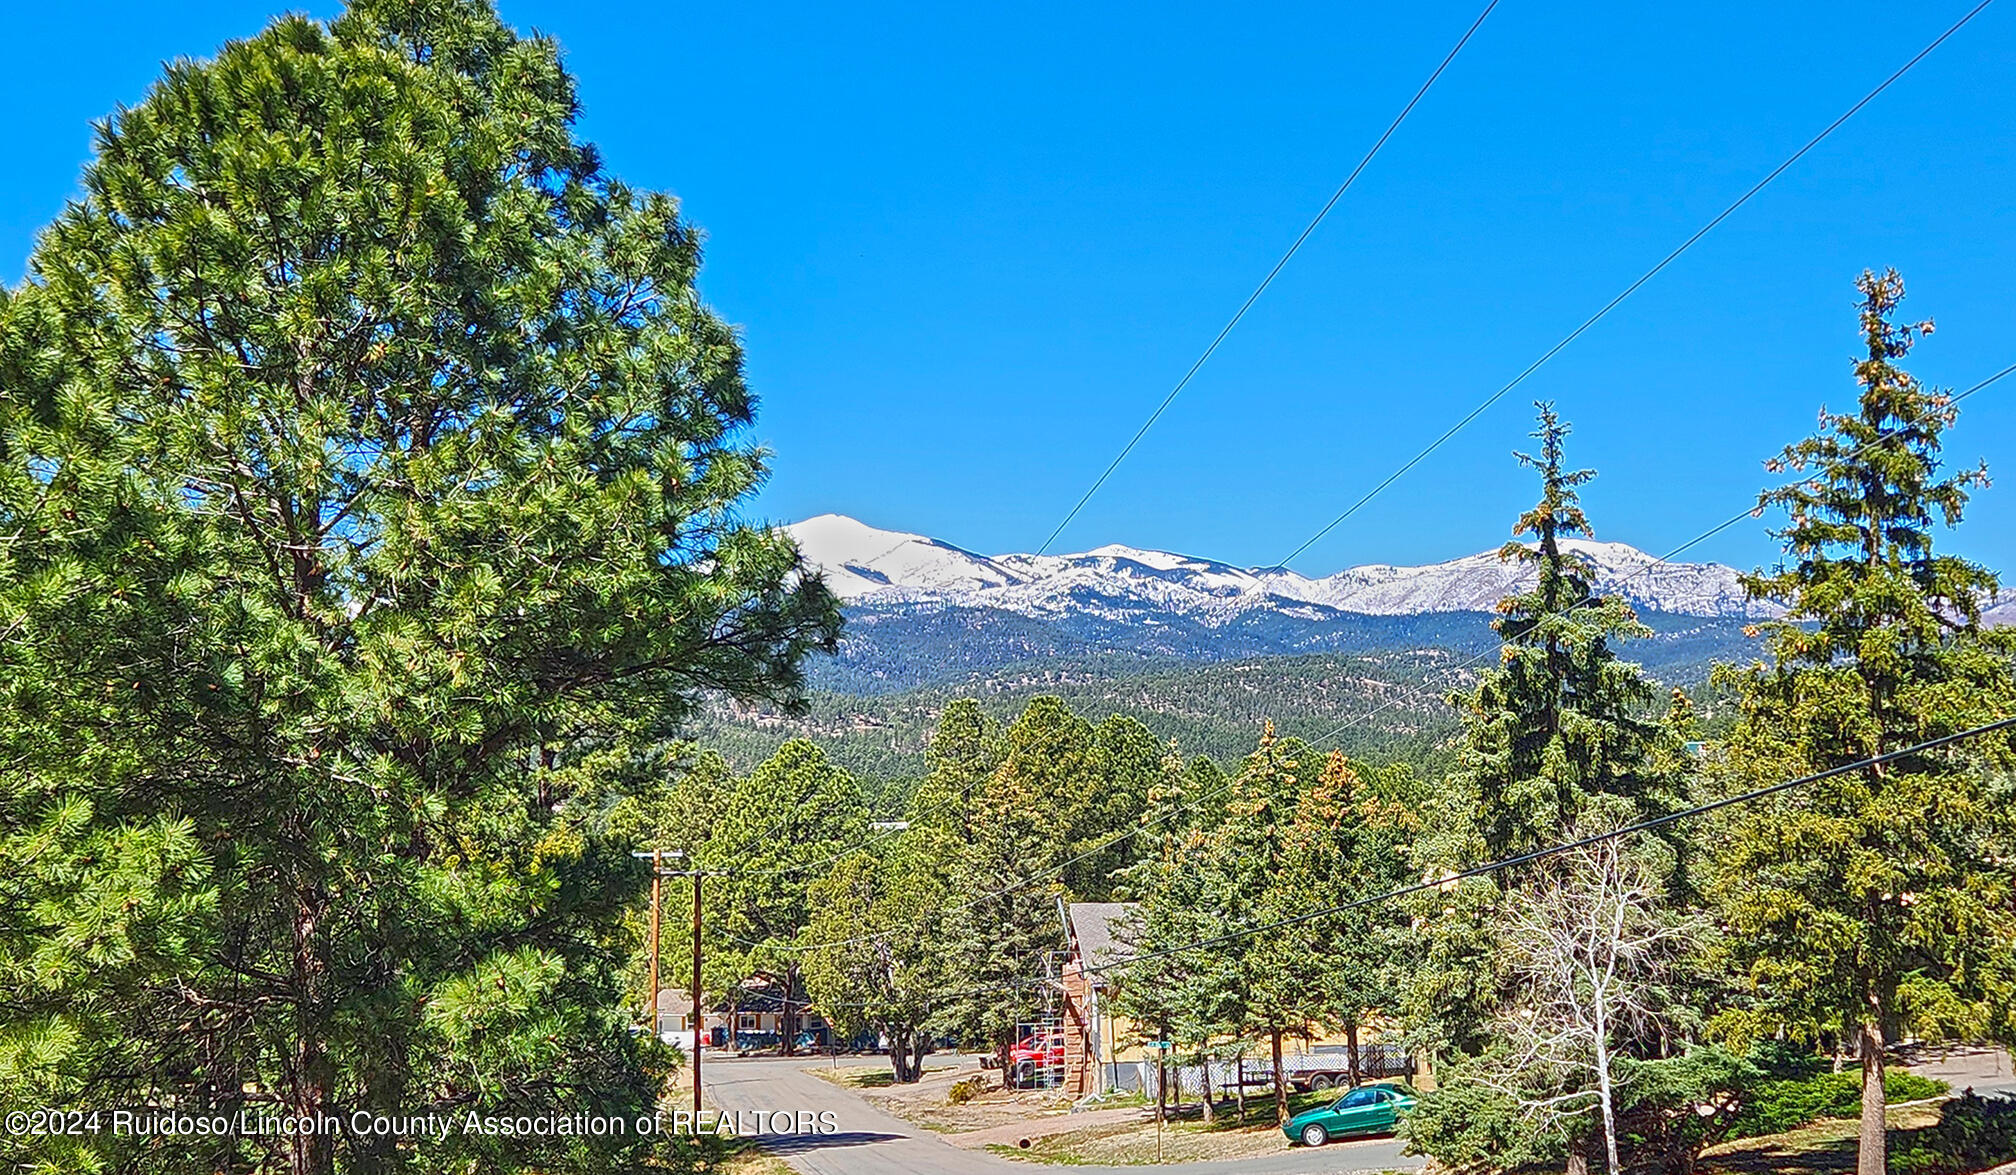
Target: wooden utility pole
x,y
697,1019
657,885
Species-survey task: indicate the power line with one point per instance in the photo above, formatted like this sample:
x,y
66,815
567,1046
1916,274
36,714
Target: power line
x,y
1192,805
1570,846
1631,289
1224,332
1697,540
1528,858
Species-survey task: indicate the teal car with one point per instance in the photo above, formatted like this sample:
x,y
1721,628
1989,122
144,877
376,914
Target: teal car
x,y
1369,1109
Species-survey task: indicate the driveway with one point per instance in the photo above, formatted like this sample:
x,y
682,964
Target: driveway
x,y
871,1142
1985,1071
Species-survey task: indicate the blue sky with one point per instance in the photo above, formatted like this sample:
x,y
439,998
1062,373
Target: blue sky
x,y
971,246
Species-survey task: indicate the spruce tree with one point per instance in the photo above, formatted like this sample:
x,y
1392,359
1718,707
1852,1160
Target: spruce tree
x,y
965,749
1561,729
367,458
1877,902
1561,737
1165,885
1365,847
1270,859
1005,878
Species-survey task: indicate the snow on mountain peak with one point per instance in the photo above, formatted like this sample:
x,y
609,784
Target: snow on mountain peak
x,y
859,560
866,565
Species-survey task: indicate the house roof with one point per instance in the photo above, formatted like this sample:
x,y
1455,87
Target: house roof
x,y
1092,926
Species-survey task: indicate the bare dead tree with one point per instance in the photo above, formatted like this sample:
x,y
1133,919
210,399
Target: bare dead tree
x,y
1592,948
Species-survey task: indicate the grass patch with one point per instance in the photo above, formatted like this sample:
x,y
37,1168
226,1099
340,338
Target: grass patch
x,y
1184,1139
1826,1147
857,1076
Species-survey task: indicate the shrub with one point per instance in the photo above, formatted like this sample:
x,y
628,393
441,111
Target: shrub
x,y
1972,1132
966,1089
1774,1107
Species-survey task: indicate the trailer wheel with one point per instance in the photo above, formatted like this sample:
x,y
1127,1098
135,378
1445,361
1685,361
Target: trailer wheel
x,y
1322,1081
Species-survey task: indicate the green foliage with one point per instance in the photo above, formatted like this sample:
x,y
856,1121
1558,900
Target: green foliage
x,y
1773,1107
1285,840
1881,900
1672,1108
1467,1125
966,1090
1166,885
1560,738
1560,735
368,475
777,830
1972,1133
881,972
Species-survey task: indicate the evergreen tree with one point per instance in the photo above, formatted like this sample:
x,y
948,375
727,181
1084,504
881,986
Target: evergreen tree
x,y
1050,823
1006,885
1560,732
1369,849
1876,902
1273,857
1129,765
367,457
965,749
1560,735
779,828
882,972
1165,885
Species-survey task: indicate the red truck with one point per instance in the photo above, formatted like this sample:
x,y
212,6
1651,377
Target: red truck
x,y
1037,1054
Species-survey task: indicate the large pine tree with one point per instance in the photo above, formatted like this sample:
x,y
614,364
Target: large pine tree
x,y
1878,901
777,830
366,453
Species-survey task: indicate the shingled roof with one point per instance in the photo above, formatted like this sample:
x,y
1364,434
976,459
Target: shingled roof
x,y
1093,926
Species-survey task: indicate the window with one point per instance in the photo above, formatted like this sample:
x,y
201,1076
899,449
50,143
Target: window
x,y
1358,1098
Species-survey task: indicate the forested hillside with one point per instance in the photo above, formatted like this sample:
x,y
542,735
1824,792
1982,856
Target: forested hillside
x,y
1386,691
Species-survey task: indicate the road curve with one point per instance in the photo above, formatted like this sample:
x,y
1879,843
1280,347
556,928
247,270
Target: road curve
x,y
871,1142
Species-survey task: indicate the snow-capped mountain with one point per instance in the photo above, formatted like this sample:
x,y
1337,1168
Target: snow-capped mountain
x,y
871,567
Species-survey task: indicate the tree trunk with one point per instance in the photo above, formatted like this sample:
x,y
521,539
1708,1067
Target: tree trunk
x,y
1351,1050
1240,1087
787,1019
1578,1157
1871,1157
920,1047
312,1080
1606,1095
1280,1080
1209,1116
899,1056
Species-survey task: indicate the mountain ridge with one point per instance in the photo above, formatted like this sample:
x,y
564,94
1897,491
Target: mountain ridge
x,y
868,566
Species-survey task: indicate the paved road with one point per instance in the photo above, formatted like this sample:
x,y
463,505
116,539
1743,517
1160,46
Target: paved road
x,y
871,1142
1986,1071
